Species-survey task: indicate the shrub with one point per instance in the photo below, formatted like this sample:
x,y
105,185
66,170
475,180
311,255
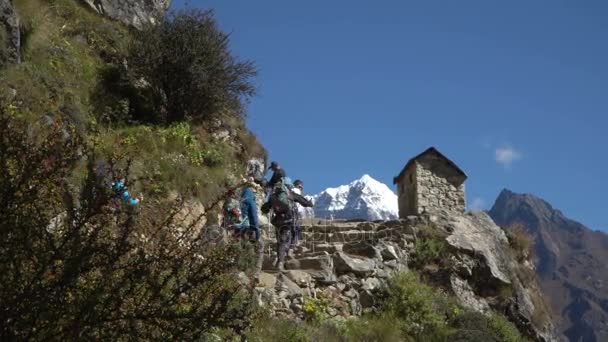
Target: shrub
x,y
190,70
277,330
420,309
519,240
76,264
430,247
475,326
315,309
503,330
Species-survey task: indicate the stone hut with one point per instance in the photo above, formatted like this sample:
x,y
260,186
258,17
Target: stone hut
x,y
430,182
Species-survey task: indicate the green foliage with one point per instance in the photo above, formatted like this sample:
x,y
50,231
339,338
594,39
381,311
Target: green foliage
x,y
430,248
77,265
315,309
190,70
170,158
278,330
476,327
64,49
419,309
503,330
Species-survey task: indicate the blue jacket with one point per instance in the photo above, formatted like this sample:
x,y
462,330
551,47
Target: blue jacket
x,y
121,190
248,207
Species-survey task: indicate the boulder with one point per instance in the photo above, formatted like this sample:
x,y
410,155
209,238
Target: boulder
x,y
266,280
11,34
466,297
292,289
362,248
389,253
479,235
371,284
301,278
350,264
136,13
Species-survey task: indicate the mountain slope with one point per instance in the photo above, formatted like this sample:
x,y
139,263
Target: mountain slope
x,y
364,198
569,261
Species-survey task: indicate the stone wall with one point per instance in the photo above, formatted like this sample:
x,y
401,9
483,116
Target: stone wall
x,y
348,263
437,189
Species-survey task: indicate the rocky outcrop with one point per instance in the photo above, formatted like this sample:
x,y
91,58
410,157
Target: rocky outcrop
x,y
569,261
10,37
136,13
348,263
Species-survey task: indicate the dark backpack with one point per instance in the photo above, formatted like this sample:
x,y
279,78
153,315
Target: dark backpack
x,y
280,200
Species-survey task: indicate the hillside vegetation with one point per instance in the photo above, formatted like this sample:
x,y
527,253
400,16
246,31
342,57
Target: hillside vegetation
x,y
93,100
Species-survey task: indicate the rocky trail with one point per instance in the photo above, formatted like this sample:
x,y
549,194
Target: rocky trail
x,y
346,264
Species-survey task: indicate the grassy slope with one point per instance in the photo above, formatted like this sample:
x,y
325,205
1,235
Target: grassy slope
x,y
67,49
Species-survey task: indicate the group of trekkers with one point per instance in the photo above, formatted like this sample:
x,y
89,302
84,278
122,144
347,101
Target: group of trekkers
x,y
283,201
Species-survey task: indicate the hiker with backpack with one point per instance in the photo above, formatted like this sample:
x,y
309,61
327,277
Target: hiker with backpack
x,y
249,210
120,189
300,203
281,204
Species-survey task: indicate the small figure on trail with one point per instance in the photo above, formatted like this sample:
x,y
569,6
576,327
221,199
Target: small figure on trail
x,y
278,173
120,189
300,204
249,211
282,205
255,169
249,208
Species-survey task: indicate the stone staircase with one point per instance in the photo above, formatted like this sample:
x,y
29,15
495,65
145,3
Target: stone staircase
x,y
343,261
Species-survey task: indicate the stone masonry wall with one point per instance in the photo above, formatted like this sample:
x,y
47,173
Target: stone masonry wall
x,y
436,193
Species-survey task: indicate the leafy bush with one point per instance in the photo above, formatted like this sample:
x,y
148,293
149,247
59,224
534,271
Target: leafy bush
x,y
77,264
420,310
277,330
190,70
503,330
315,309
430,248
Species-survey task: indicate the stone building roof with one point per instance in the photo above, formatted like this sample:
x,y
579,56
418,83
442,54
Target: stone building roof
x,y
428,151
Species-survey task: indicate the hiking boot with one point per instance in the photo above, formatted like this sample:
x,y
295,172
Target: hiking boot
x,y
280,267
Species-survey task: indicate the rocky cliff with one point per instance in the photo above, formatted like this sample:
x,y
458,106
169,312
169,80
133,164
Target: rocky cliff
x,y
350,262
10,35
136,13
570,262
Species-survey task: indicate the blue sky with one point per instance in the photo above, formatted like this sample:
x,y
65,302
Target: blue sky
x,y
515,92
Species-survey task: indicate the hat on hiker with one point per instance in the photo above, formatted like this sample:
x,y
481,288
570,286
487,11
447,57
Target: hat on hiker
x,y
273,165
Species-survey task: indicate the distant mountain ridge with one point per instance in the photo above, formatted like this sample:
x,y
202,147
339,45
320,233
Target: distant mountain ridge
x,y
364,198
570,262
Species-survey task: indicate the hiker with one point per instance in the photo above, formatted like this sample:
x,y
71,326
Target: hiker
x,y
278,173
281,204
255,169
298,214
121,190
250,222
249,208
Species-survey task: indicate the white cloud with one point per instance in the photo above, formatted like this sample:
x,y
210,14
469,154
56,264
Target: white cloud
x,y
477,204
506,155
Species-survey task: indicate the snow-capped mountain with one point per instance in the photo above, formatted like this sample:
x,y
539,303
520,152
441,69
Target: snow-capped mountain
x,y
364,198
